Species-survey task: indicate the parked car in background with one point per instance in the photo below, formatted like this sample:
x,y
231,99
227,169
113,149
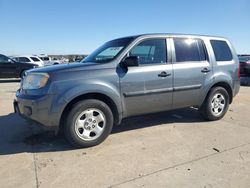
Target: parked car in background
x,y
56,61
79,58
10,68
29,59
48,60
131,76
65,60
244,64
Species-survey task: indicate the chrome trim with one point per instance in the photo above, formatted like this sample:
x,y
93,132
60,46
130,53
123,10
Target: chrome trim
x,y
159,91
184,88
149,92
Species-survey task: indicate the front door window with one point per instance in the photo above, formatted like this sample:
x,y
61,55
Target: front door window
x,y
151,51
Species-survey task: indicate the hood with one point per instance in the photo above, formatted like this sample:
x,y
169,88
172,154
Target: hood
x,y
68,67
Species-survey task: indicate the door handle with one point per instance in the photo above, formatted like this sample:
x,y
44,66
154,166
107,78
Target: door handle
x,y
205,70
164,74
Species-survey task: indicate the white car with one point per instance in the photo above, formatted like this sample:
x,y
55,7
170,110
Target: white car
x,y
57,61
47,60
29,59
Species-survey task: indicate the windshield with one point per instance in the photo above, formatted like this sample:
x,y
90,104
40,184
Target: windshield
x,y
108,51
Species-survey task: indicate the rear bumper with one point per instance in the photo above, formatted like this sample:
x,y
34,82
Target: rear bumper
x,y
236,87
36,109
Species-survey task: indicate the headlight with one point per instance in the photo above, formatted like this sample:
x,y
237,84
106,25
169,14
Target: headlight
x,y
34,80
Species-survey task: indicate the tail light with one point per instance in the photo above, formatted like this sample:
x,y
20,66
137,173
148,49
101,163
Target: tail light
x,y
239,71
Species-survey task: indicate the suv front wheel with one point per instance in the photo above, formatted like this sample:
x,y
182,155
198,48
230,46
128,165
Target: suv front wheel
x,y
88,123
216,104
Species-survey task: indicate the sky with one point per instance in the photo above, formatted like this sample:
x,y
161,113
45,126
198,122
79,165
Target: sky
x,y
80,26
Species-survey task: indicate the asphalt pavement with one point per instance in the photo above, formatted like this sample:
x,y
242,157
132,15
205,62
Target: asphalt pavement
x,y
170,149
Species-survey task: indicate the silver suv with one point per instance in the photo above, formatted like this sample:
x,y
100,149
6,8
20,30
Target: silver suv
x,y
131,76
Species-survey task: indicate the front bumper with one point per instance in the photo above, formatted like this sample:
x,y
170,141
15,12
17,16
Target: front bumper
x,y
36,109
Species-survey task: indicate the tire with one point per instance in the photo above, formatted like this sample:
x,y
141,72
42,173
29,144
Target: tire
x,y
88,123
216,104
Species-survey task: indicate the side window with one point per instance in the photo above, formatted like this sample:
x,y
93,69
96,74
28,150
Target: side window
x,y
35,59
3,59
151,51
16,59
24,59
221,50
187,49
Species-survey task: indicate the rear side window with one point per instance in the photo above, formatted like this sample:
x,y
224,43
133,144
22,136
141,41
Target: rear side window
x,y
44,58
221,50
23,59
187,49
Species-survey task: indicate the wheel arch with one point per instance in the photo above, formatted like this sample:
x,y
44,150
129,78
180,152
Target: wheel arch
x,y
94,95
226,86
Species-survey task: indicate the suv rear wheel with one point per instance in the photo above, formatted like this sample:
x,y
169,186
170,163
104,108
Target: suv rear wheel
x,y
88,123
216,104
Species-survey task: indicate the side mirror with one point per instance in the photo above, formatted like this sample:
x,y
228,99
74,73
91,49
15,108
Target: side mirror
x,y
131,61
